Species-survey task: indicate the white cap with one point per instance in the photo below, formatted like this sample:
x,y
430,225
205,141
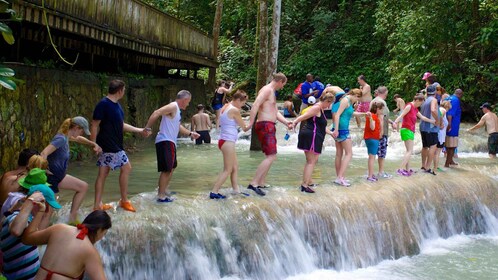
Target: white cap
x,y
311,100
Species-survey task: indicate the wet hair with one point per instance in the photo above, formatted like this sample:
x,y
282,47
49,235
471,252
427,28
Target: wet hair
x,y
288,97
66,126
96,220
182,94
221,83
37,161
25,155
355,91
239,95
375,106
115,86
327,96
200,107
431,79
317,78
279,77
362,77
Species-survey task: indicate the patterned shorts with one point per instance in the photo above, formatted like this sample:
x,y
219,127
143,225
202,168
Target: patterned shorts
x,y
363,107
113,160
382,151
266,135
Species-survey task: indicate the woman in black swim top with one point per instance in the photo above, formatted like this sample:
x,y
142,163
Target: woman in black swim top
x,y
219,99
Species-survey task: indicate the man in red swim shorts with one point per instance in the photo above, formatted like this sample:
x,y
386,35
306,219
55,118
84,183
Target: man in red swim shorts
x,y
265,106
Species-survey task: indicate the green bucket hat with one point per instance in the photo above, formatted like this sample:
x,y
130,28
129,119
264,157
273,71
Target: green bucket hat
x,y
36,176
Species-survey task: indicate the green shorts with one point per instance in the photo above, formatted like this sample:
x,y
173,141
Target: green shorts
x,y
406,134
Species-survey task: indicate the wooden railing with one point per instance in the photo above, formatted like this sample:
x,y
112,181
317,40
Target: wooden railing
x,y
142,26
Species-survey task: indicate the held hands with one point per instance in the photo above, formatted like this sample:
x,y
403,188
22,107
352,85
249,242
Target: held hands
x,y
335,133
194,135
146,132
97,149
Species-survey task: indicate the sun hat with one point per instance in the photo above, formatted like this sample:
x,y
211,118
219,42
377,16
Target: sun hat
x,y
36,176
48,194
311,100
83,123
426,75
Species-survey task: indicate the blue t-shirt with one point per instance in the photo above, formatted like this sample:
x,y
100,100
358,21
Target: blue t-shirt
x,y
455,112
306,88
111,116
318,86
58,160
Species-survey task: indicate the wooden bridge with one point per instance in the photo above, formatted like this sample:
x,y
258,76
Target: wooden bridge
x,y
110,35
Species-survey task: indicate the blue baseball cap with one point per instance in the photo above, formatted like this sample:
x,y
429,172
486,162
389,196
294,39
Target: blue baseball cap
x,y
48,193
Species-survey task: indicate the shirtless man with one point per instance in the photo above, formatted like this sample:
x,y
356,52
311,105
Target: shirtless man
x,y
490,120
8,181
265,106
201,124
400,104
364,101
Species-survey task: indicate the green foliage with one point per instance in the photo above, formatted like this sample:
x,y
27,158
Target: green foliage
x,y
391,42
7,74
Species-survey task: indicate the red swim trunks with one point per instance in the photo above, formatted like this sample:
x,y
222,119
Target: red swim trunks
x,y
266,135
363,107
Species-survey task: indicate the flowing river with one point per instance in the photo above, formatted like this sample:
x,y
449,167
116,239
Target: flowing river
x,y
419,227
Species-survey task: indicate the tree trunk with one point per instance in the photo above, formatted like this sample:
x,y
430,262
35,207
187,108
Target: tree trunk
x,y
211,86
262,60
275,37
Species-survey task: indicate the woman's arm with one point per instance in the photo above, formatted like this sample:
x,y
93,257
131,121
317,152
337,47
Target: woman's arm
x,y
405,111
422,117
337,116
313,111
234,113
48,150
85,141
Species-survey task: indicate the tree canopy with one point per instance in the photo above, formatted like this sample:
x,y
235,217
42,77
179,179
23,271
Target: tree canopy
x,y
391,42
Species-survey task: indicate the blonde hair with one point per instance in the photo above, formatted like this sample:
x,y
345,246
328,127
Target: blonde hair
x,y
327,96
446,104
279,77
66,126
37,161
355,91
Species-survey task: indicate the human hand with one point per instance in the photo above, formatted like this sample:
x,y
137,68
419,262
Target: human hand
x,y
335,133
146,132
97,149
194,135
38,201
395,126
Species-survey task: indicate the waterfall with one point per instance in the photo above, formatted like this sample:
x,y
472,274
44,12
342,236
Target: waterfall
x,y
287,233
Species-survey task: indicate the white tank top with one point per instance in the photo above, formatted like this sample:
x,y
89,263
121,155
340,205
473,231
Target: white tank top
x,y
169,127
228,126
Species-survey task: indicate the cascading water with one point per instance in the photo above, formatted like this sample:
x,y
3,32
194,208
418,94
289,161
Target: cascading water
x,y
289,233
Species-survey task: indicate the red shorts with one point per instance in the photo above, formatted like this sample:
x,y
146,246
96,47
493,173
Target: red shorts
x,y
266,135
363,107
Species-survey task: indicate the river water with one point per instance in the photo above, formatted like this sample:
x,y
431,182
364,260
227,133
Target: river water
x,y
421,227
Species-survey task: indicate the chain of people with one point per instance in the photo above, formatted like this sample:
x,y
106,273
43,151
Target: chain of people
x,y
28,193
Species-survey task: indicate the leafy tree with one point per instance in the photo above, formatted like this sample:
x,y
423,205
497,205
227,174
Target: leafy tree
x,y
7,74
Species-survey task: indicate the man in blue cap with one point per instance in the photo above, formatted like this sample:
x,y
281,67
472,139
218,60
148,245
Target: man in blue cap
x,y
491,122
